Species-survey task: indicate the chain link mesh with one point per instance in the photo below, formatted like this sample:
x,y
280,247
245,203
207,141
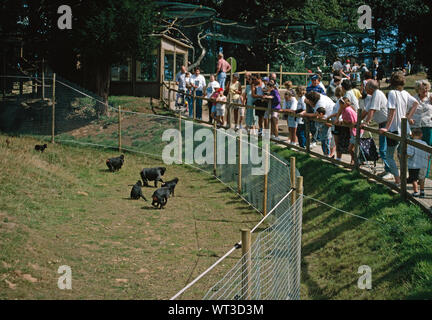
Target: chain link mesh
x,y
273,270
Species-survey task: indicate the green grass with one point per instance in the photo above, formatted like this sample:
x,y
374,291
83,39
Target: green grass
x,y
395,242
62,207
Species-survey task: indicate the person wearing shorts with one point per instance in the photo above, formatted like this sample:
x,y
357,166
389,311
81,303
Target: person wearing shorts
x,y
213,98
417,164
258,94
220,107
273,115
349,116
235,91
289,107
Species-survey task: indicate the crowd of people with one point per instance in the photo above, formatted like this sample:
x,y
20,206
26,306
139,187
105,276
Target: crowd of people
x,y
337,104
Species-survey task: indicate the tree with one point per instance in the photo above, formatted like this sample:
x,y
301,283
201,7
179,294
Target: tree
x,y
104,32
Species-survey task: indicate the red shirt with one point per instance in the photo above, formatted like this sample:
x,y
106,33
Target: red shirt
x,y
223,65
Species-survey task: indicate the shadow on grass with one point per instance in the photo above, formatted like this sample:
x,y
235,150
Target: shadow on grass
x,y
402,236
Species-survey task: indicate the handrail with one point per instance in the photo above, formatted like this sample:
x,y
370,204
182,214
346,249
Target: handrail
x,y
392,186
406,195
389,135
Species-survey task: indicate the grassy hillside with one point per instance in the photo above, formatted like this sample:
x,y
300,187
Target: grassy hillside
x,y
395,241
63,207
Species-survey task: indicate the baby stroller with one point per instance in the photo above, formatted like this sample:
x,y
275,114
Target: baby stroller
x,y
368,153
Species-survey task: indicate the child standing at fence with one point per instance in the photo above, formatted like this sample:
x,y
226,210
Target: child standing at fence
x,y
212,86
301,106
417,164
289,107
323,132
213,98
220,107
273,116
349,116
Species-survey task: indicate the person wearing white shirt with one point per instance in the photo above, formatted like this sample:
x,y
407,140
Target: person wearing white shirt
x,y
417,164
301,106
399,102
212,86
349,93
376,109
337,65
289,106
198,82
316,100
181,82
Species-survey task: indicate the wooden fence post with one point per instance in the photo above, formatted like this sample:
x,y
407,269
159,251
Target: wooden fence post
x,y
43,79
307,133
280,77
162,88
214,148
194,104
239,150
53,109
268,70
357,141
293,178
269,111
246,263
266,163
169,95
299,186
404,158
180,138
119,129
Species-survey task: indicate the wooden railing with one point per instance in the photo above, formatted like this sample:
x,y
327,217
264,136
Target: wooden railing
x,y
403,140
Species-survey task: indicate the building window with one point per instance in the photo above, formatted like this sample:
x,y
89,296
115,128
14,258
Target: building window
x,y
121,72
180,61
147,71
169,66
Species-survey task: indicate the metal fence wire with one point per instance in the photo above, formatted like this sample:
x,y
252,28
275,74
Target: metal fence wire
x,y
271,268
27,109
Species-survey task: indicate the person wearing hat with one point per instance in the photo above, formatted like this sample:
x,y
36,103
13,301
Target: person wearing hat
x,y
212,86
347,67
235,91
316,85
220,106
212,103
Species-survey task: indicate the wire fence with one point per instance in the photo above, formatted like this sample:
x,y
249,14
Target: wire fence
x,y
270,269
63,112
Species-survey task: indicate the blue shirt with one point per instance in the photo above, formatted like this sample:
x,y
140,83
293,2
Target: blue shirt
x,y
317,88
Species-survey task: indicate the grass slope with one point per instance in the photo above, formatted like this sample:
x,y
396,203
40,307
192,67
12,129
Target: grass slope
x,y
395,242
62,207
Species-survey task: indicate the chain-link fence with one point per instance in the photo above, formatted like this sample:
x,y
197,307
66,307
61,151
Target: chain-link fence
x,y
58,110
270,269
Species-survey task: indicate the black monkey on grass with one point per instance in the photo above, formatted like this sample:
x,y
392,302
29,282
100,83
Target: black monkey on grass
x,y
114,164
152,174
160,197
40,147
171,185
136,191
